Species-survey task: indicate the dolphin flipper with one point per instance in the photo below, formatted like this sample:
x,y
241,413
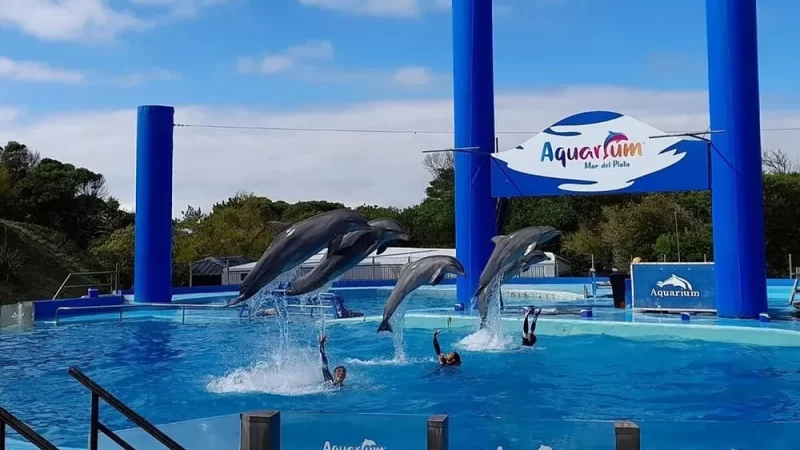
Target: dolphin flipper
x,y
382,248
334,245
438,277
279,226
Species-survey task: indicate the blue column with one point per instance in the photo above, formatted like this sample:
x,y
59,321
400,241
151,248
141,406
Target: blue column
x,y
152,271
473,89
737,198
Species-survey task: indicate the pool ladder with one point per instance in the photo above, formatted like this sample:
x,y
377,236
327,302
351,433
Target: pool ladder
x,y
795,286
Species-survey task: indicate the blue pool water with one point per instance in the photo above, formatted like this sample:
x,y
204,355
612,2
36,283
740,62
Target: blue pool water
x,y
217,364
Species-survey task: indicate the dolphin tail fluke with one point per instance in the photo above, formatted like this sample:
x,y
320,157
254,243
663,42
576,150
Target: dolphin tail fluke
x,y
384,326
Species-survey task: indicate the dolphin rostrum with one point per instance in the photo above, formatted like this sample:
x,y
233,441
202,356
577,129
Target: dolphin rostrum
x,y
354,248
511,254
430,269
295,243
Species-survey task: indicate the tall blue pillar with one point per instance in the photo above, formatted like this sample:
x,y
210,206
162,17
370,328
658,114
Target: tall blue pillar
x,y
473,89
737,196
152,268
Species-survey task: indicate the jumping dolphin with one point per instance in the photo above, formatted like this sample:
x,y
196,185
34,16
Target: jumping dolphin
x,y
513,270
511,253
431,269
354,248
297,242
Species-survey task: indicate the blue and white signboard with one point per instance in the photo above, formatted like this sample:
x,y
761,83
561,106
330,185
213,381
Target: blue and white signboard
x,y
600,152
673,286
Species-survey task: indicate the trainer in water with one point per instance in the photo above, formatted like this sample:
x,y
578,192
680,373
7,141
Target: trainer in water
x,y
295,243
511,253
354,248
529,335
523,264
339,373
445,359
428,270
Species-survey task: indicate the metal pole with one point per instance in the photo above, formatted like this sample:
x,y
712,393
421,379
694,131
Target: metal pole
x,y
94,421
790,265
260,430
183,315
627,435
190,274
677,236
438,432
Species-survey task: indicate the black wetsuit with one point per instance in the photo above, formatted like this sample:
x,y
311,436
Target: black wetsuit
x,y
529,339
326,373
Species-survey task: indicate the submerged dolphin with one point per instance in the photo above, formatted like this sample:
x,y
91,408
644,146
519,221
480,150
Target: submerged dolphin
x,y
511,253
431,269
354,248
523,264
297,242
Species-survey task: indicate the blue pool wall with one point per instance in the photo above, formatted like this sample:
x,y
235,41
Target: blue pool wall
x,y
44,310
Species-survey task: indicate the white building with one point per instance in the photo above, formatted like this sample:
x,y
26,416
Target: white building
x,y
387,266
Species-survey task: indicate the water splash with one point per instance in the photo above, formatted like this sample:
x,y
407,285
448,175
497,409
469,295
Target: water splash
x,y
298,375
398,324
492,336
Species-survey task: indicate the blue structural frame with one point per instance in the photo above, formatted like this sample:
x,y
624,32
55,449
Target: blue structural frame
x,y
737,186
738,210
152,271
473,85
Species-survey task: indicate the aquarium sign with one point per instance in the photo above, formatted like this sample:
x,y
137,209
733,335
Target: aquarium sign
x,y
367,444
601,152
673,286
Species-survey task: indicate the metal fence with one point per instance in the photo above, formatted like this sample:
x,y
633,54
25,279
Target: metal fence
x,y
384,272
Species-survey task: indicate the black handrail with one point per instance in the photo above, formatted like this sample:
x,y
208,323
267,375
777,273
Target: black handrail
x,y
6,418
95,426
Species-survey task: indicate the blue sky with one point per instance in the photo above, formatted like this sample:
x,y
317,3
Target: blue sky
x,y
73,71
188,51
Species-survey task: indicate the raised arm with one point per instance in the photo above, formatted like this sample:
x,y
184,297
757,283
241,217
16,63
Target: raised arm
x,y
326,373
436,347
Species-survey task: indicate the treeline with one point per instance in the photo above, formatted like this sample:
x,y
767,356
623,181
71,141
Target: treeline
x,y
612,229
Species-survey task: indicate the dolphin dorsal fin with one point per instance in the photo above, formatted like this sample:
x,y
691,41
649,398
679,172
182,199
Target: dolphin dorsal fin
x,y
278,226
498,239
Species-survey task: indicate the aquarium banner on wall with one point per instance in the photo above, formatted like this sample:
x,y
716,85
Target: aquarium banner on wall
x,y
683,286
601,152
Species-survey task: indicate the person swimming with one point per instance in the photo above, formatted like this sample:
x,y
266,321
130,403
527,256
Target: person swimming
x,y
339,373
447,359
529,338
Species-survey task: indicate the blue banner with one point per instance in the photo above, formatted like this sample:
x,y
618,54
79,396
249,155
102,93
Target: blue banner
x,y
684,286
601,152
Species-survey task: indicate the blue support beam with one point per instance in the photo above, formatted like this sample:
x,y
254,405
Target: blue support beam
x,y
152,270
473,87
737,186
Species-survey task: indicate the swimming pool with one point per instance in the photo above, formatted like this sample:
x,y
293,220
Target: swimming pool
x,y
678,390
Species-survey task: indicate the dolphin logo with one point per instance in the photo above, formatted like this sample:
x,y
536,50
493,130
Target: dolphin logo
x,y
613,138
676,281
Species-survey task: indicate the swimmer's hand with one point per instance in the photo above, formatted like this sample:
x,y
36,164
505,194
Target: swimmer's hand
x,y
323,339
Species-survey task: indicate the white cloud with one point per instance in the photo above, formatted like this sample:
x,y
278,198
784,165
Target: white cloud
x,y
37,72
413,76
383,8
8,114
212,164
309,51
72,20
139,78
311,62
